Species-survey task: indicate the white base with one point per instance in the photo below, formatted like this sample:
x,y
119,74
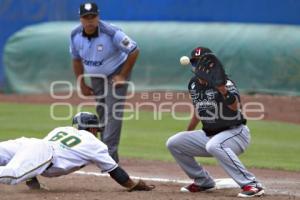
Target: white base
x,y
226,183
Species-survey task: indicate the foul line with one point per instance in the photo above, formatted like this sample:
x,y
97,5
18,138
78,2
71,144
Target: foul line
x,y
223,183
135,177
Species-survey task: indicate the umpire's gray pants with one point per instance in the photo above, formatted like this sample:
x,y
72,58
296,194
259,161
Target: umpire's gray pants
x,y
110,111
225,147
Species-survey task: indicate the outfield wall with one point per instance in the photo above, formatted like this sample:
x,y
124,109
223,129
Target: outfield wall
x,y
260,58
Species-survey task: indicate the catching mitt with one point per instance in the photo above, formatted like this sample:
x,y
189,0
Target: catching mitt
x,y
209,68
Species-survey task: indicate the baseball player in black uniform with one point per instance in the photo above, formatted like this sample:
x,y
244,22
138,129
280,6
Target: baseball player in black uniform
x,y
224,134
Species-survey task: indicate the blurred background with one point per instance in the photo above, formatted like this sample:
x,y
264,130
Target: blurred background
x,y
257,40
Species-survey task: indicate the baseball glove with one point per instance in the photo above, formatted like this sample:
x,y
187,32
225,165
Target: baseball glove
x,y
210,69
141,186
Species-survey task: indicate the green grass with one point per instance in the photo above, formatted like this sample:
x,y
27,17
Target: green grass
x,y
274,145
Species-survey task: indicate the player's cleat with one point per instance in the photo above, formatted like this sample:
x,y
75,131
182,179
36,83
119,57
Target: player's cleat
x,y
251,191
34,184
196,188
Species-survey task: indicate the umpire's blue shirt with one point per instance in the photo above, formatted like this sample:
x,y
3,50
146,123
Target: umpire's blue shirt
x,y
102,54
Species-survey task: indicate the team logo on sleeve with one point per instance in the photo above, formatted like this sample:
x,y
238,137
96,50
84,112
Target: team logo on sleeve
x,y
229,83
126,41
193,85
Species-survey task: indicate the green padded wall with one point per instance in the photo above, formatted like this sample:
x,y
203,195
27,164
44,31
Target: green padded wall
x,y
260,58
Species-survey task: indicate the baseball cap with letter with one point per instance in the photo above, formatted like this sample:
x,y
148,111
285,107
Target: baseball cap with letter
x,y
197,53
88,9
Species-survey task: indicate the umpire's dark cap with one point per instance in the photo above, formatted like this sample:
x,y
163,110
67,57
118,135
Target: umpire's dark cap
x,y
88,9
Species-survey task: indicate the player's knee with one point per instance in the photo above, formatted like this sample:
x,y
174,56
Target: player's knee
x,y
169,143
212,148
173,143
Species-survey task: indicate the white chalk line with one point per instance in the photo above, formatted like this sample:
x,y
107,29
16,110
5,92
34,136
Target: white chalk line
x,y
222,183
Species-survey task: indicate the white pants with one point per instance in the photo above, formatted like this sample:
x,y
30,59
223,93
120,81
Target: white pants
x,y
22,159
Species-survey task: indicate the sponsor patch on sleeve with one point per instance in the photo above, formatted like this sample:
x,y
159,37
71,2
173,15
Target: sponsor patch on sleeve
x,y
126,41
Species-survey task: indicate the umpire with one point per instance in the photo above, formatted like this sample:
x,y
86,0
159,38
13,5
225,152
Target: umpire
x,y
104,51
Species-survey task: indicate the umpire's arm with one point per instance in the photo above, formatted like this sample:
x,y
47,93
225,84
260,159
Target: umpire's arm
x,y
129,63
79,70
128,46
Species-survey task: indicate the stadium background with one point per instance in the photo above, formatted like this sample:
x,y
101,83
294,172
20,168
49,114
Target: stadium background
x,y
257,40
